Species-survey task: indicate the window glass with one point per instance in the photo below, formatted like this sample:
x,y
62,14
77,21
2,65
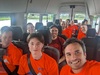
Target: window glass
x,y
33,18
64,16
5,21
80,17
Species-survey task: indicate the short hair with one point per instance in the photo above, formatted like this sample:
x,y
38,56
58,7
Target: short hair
x,y
29,23
53,26
5,29
75,40
37,35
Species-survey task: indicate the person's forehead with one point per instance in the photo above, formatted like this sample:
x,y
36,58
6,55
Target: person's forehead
x,y
54,28
35,40
30,25
73,46
7,32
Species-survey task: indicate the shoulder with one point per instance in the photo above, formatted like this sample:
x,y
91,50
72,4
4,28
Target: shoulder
x,y
23,59
94,67
61,39
48,58
94,64
64,69
14,49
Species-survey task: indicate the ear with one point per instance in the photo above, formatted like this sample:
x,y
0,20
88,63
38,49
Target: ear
x,y
85,54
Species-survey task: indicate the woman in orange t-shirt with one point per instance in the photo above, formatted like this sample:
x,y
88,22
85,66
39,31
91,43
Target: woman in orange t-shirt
x,y
41,62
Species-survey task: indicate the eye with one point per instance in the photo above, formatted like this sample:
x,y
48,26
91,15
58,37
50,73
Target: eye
x,y
32,43
38,44
77,53
68,54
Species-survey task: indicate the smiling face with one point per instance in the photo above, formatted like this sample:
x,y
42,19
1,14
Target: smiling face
x,y
75,56
35,46
54,32
30,28
6,38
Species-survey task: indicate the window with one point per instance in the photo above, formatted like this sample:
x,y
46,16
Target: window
x,y
33,18
64,16
80,17
47,18
5,21
50,17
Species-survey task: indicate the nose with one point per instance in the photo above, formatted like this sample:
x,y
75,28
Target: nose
x,y
73,57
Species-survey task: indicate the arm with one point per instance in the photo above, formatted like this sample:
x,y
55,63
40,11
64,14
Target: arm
x,y
62,59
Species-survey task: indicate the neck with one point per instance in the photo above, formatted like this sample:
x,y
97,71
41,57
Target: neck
x,y
37,56
53,38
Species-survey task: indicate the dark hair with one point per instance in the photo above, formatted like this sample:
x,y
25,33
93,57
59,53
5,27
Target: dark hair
x,y
5,29
53,26
75,40
29,24
37,35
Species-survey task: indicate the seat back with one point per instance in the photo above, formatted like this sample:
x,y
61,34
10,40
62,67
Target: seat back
x,y
91,33
47,36
17,33
22,45
91,47
38,25
98,49
49,24
53,52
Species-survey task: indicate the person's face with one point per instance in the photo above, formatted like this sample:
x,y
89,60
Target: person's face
x,y
86,23
6,38
75,56
72,22
63,25
35,46
83,28
30,29
54,32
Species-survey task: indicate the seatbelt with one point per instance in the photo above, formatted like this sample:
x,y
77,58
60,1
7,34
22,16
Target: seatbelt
x,y
6,68
29,64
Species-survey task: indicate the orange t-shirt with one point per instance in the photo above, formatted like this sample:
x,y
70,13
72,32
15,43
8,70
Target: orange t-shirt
x,y
45,66
90,68
11,58
67,32
81,35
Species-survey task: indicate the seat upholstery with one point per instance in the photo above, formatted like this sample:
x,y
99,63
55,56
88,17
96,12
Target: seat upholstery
x,y
53,52
17,33
91,33
47,36
49,24
38,26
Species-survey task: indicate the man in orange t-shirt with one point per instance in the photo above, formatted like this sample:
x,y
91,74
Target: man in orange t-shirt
x,y
12,55
81,35
41,62
82,32
67,32
75,53
46,65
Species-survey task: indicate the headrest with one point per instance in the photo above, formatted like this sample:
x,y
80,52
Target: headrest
x,y
91,32
53,52
17,33
49,24
38,25
57,21
75,21
47,35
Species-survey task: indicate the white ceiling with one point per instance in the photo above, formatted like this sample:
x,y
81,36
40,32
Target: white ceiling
x,y
44,6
